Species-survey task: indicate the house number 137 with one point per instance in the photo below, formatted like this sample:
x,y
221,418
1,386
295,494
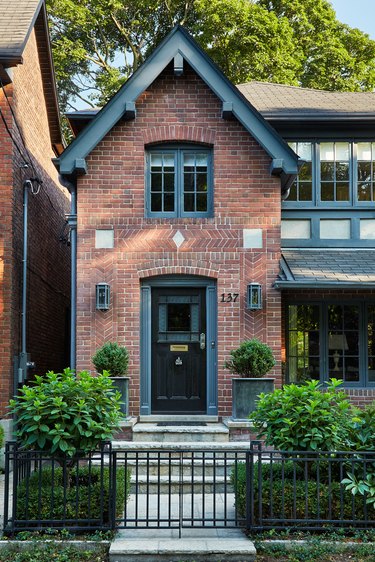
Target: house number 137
x,y
229,297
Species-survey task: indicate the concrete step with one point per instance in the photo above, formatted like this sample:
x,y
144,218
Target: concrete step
x,y
197,549
174,467
166,485
211,432
179,447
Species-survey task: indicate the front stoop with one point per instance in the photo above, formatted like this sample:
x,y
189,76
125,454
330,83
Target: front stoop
x,y
195,547
211,432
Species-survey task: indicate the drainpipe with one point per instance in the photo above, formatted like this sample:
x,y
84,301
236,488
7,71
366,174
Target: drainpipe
x,y
23,361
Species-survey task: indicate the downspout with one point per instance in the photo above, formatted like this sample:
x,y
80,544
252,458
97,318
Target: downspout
x,y
72,221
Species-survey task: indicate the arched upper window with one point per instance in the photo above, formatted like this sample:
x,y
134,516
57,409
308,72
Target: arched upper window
x,y
179,181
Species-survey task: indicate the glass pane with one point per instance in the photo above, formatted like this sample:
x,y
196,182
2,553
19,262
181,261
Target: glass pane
x,y
202,160
351,369
335,317
169,202
189,182
189,202
305,172
304,150
178,317
364,192
342,192
156,160
352,343
364,151
293,146
305,191
371,369
168,182
364,171
327,171
293,192
156,202
342,151
189,160
327,151
351,318
168,160
156,182
201,182
202,202
327,191
342,171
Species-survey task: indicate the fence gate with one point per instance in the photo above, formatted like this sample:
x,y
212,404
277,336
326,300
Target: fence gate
x,y
180,488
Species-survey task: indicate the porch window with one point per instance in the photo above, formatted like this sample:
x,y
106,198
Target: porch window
x,y
326,340
179,182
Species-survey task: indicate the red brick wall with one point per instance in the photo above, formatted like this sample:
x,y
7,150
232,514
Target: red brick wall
x,y
48,260
358,396
112,195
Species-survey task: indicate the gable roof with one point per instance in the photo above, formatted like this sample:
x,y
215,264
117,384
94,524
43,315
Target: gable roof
x,y
18,19
179,46
16,22
279,101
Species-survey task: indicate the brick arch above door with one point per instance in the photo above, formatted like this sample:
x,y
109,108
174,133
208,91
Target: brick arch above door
x,y
158,269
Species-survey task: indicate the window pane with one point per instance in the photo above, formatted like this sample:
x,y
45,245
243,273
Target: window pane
x,y
342,151
156,160
303,343
371,342
342,192
189,160
328,191
169,182
351,318
305,191
343,342
293,192
305,171
169,202
342,171
188,182
327,151
304,150
202,160
178,319
168,160
156,202
364,151
202,202
156,182
335,317
327,171
364,171
364,192
201,182
189,202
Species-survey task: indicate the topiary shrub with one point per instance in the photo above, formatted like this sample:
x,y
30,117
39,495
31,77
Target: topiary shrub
x,y
62,414
251,359
112,358
304,417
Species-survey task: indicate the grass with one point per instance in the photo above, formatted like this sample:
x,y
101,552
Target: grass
x,y
53,553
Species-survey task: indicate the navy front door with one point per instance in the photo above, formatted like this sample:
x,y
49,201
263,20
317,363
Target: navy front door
x,y
178,360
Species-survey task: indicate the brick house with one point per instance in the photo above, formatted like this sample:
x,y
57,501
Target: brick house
x,y
29,138
187,195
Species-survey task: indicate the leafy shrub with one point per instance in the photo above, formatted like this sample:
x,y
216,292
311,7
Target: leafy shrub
x,y
303,418
63,413
286,498
77,495
251,359
55,552
112,358
2,436
361,429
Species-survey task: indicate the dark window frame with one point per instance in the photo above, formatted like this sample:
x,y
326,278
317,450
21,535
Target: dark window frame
x,y
179,150
363,381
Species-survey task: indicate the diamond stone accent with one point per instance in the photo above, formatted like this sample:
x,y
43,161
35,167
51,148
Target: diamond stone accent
x,y
178,238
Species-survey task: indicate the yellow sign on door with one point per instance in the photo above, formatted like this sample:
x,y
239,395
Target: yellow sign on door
x,y
179,348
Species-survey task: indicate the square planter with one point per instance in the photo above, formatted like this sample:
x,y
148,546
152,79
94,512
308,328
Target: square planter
x,y
245,392
122,385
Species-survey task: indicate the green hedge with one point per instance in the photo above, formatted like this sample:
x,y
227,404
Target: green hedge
x,y
311,504
37,498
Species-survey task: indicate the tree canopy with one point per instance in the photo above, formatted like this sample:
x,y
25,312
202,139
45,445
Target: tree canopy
x,y
97,44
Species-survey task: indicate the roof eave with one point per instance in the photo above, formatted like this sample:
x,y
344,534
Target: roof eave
x,y
316,284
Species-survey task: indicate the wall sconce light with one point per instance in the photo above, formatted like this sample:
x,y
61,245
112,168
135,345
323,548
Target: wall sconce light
x,y
102,296
254,296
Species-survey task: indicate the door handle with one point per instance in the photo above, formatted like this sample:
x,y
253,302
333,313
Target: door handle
x,y
202,341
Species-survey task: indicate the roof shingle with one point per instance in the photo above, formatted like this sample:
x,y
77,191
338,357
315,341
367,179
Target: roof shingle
x,y
17,18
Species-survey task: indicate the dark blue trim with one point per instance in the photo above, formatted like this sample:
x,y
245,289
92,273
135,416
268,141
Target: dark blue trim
x,y
211,339
178,42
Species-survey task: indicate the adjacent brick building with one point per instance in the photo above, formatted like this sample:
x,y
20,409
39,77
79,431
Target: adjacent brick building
x,y
29,138
179,181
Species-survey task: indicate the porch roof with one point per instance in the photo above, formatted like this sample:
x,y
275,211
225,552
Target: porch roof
x,y
314,268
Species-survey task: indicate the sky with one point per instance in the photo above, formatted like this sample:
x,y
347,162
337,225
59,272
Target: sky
x,y
357,13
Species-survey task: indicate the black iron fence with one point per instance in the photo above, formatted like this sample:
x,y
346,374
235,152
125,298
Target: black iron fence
x,y
184,487
303,489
